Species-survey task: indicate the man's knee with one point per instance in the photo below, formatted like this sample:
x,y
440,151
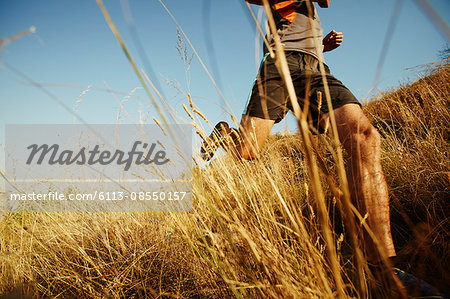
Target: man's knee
x,y
354,128
365,141
373,136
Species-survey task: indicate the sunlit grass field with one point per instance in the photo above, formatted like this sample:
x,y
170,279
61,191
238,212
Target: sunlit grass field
x,y
274,227
255,229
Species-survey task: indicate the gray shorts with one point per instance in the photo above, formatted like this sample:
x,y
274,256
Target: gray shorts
x,y
269,97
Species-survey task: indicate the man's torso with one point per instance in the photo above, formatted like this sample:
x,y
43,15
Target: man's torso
x,y
298,31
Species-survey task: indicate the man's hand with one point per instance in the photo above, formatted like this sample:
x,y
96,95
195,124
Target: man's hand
x,y
332,41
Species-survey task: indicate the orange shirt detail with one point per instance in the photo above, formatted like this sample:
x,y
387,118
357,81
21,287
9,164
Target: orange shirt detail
x,y
286,9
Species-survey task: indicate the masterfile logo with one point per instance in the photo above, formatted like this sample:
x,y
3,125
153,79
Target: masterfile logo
x,y
83,156
114,166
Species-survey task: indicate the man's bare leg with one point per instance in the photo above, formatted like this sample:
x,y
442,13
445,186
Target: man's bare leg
x,y
366,180
253,132
243,144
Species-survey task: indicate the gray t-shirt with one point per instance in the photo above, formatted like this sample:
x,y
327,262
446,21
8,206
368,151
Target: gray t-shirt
x,y
294,27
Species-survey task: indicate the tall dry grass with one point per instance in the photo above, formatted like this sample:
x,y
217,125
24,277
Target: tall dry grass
x,y
266,228
254,230
415,122
98,255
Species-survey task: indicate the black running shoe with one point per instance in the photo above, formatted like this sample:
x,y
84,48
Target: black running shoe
x,y
415,287
214,141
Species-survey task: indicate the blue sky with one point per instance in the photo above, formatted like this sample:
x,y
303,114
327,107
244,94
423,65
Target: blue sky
x,y
73,48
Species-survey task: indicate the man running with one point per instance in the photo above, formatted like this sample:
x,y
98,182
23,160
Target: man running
x,y
269,102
